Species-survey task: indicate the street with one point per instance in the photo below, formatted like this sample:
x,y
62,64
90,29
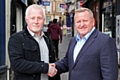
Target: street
x,y
62,51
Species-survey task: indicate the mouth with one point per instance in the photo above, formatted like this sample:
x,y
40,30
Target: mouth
x,y
82,28
36,25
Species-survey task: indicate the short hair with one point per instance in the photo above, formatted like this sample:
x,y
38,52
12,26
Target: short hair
x,y
83,10
35,5
54,20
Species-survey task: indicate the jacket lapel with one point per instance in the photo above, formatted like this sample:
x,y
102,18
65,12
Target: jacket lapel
x,y
72,45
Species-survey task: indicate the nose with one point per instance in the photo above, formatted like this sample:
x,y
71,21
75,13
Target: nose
x,y
36,20
81,23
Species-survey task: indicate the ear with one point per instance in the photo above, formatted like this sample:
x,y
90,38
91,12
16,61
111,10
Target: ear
x,y
26,19
44,20
93,21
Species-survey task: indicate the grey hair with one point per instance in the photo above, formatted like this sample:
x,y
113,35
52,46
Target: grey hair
x,y
83,10
35,5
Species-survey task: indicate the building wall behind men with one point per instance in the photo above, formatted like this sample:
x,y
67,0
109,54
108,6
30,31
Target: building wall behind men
x,y
2,32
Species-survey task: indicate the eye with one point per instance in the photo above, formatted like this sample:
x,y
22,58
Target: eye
x,y
78,21
85,20
33,18
40,18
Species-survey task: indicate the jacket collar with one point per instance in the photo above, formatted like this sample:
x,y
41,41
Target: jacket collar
x,y
26,33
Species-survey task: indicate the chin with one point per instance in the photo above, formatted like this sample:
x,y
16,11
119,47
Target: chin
x,y
36,31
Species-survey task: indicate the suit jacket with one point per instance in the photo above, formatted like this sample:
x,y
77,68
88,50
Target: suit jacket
x,y
24,53
97,60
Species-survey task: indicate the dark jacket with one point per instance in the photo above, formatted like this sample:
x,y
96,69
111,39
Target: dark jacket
x,y
25,58
55,31
97,59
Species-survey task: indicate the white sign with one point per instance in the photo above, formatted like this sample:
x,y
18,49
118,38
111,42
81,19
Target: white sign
x,y
109,33
118,31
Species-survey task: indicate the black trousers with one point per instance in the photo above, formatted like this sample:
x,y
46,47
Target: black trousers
x,y
56,43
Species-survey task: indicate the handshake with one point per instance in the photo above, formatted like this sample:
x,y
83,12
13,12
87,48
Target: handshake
x,y
52,70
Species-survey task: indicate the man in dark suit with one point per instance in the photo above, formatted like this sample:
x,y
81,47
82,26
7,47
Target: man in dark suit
x,y
91,55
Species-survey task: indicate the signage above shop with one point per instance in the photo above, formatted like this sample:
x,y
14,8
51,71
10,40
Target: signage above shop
x,y
107,4
82,1
64,6
46,3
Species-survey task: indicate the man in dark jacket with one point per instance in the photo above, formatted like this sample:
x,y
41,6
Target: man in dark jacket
x,y
55,33
31,50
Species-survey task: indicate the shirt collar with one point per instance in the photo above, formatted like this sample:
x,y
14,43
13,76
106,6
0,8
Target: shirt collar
x,y
86,36
33,34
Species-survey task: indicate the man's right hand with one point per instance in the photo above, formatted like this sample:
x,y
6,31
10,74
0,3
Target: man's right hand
x,y
52,70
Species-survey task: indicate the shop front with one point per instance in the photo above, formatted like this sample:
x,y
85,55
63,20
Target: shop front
x,y
118,28
108,18
3,67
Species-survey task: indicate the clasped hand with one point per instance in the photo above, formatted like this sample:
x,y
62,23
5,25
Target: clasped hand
x,y
52,70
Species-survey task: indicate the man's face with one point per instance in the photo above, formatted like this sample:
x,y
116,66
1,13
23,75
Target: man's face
x,y
84,23
35,20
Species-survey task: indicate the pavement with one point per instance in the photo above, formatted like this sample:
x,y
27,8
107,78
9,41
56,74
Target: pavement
x,y
119,74
62,51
